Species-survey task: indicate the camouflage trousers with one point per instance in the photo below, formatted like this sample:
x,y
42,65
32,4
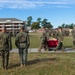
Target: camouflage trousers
x,y
4,58
74,43
60,46
43,46
23,56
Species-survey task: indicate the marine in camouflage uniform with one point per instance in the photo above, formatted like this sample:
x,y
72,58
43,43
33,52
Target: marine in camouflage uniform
x,y
47,38
47,35
5,47
56,34
73,34
22,46
43,41
60,40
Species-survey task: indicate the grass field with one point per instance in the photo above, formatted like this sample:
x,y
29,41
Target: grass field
x,y
42,64
35,40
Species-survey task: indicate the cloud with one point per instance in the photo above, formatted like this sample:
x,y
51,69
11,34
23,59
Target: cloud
x,y
32,3
63,6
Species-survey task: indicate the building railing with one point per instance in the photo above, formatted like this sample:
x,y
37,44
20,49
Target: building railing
x,y
12,25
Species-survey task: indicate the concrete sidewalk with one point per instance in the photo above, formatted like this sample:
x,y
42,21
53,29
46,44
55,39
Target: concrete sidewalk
x,y
36,50
29,50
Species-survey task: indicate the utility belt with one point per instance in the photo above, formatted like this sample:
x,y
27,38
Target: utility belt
x,y
22,44
22,41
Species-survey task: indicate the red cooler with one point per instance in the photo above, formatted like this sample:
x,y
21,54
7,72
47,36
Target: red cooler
x,y
52,43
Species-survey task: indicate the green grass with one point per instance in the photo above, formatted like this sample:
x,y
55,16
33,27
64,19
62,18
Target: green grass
x,y
68,41
13,42
42,64
35,41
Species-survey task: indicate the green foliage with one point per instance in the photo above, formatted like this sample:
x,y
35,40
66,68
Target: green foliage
x,y
29,20
48,25
35,25
43,23
39,20
67,25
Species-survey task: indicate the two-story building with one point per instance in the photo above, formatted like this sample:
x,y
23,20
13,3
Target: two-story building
x,y
12,24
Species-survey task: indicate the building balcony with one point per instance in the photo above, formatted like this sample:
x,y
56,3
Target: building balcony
x,y
11,28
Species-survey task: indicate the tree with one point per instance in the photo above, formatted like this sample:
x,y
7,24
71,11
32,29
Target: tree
x,y
66,26
59,26
35,25
39,20
48,25
63,25
29,20
71,26
43,23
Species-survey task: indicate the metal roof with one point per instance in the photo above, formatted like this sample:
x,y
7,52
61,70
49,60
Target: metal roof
x,y
10,19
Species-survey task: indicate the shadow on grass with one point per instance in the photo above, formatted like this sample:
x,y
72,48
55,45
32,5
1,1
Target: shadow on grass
x,y
14,65
35,61
31,62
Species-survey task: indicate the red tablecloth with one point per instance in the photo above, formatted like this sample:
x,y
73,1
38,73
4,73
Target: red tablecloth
x,y
52,43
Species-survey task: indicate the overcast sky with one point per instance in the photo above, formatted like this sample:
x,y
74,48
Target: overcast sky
x,y
56,11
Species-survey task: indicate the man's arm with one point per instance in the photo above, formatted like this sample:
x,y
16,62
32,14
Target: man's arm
x,y
10,42
16,41
28,40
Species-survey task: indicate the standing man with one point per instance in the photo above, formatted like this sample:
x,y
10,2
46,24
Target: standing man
x,y
22,42
56,34
73,34
5,47
60,40
43,42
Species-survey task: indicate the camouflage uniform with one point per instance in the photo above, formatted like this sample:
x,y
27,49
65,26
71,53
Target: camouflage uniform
x,y
47,38
60,41
73,34
5,48
47,35
22,51
56,34
43,41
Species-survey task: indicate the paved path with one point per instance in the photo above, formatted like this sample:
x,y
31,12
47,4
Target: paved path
x,y
36,50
